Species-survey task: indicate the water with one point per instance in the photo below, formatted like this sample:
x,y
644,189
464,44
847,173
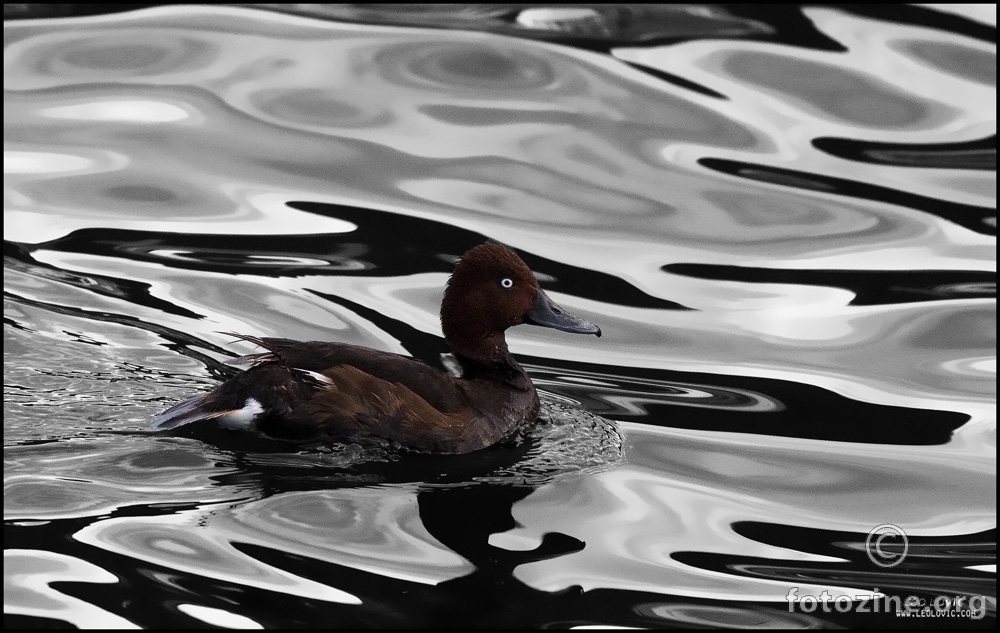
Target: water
x,y
783,221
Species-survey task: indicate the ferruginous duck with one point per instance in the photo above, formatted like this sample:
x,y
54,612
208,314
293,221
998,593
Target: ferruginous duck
x,y
316,393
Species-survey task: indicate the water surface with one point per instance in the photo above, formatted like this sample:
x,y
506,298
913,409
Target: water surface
x,y
783,221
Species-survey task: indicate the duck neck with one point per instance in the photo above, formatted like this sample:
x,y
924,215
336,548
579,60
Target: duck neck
x,y
487,357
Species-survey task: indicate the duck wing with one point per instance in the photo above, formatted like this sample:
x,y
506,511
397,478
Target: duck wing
x,y
319,392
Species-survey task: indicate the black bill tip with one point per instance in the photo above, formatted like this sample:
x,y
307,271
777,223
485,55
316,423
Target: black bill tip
x,y
547,313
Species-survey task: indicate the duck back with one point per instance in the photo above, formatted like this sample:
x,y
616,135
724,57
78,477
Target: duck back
x,y
317,393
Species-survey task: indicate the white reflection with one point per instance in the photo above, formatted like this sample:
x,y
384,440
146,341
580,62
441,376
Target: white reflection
x,y
944,106
27,576
793,300
377,533
86,477
894,354
43,163
978,367
683,490
291,261
872,45
41,223
555,18
218,617
178,542
985,13
122,111
255,201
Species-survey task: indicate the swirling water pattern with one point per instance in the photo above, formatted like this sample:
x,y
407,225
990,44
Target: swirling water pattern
x,y
786,233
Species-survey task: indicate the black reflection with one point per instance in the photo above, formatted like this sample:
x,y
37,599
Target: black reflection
x,y
462,518
979,219
952,550
268,467
925,17
677,80
933,566
871,287
384,244
34,10
176,340
980,154
738,404
400,244
596,27
18,257
620,396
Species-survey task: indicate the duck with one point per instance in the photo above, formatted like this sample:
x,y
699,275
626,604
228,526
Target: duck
x,y
315,393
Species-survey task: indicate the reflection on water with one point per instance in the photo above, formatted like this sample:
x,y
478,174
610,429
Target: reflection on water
x,y
701,479
783,220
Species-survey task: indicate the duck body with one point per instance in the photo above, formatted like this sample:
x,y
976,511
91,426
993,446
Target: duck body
x,y
321,393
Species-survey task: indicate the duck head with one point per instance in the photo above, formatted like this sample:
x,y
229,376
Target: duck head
x,y
490,291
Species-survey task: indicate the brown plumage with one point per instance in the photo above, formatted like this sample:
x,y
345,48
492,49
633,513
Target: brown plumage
x,y
316,393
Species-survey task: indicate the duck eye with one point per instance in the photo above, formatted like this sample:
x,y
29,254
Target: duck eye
x,y
506,282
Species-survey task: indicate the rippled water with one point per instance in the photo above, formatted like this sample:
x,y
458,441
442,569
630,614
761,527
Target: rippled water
x,y
783,221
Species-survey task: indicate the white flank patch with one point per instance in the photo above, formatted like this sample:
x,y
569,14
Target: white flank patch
x,y
241,419
318,377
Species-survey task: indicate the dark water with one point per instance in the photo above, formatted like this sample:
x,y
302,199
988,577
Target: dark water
x,y
783,221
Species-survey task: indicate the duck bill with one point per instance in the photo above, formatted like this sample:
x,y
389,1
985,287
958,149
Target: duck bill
x,y
547,314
